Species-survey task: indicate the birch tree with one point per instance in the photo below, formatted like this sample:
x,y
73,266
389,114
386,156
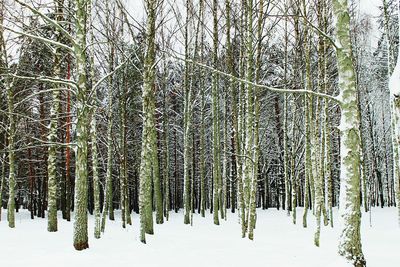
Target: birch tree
x,y
96,180
52,157
350,242
308,116
394,88
257,104
109,205
188,180
215,122
145,198
81,240
8,85
202,164
93,137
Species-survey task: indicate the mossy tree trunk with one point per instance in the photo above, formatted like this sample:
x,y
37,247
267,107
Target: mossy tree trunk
x,y
148,143
202,164
81,240
308,185
215,114
8,86
350,144
394,84
52,135
187,113
256,133
96,180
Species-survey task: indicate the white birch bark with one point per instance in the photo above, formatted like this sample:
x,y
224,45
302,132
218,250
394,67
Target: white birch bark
x,y
147,153
350,143
81,240
394,90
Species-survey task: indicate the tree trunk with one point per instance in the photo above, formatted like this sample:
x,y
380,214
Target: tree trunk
x,y
148,143
81,185
350,242
215,114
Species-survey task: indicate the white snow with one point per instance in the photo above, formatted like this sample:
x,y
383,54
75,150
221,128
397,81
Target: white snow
x,y
277,243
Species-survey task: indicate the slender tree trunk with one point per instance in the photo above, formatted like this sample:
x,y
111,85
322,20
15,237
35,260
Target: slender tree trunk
x,y
308,186
350,242
96,179
122,155
248,170
166,173
285,125
81,185
256,152
126,198
8,84
241,125
394,88
68,186
292,164
156,178
109,179
187,122
52,135
148,145
395,123
2,181
3,61
202,165
215,112
319,178
3,168
93,139
11,157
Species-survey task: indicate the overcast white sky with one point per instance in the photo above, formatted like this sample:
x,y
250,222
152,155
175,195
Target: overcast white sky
x,y
136,7
367,6
370,7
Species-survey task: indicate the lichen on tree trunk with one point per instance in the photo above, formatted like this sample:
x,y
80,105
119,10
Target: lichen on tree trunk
x,y
148,134
81,240
350,143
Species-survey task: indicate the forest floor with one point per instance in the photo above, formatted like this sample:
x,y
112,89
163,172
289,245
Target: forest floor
x,y
278,243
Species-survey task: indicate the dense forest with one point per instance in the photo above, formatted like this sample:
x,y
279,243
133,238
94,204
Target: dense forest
x,y
219,108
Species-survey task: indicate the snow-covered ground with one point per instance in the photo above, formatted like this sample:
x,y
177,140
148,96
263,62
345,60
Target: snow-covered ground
x,y
278,243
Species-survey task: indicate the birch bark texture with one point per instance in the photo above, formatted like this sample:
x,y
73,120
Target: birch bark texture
x,y
148,143
81,240
350,143
8,84
394,89
52,136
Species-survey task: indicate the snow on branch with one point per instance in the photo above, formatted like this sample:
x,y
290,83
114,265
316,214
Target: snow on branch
x,y
52,22
269,88
48,41
44,79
